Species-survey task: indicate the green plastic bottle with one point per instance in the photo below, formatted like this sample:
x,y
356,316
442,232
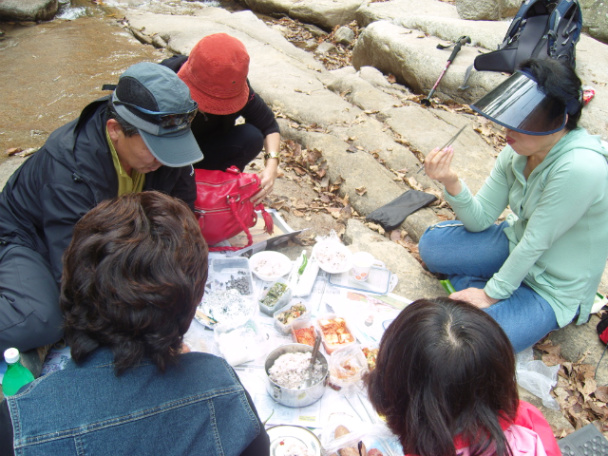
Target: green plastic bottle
x,y
16,374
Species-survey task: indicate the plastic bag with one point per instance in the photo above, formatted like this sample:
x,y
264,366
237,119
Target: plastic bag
x,y
373,436
536,377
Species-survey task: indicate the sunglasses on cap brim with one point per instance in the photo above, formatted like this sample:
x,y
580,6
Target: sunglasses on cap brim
x,y
520,105
166,120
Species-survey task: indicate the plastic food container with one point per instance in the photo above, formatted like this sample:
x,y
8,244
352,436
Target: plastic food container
x,y
275,297
284,318
232,274
347,365
335,332
303,331
229,294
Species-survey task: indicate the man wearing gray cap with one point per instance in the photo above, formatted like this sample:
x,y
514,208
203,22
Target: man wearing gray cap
x,y
136,139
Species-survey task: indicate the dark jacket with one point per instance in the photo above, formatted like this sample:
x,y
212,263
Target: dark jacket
x,y
256,112
68,176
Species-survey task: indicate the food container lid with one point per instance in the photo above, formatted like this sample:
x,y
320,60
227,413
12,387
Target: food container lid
x,y
287,440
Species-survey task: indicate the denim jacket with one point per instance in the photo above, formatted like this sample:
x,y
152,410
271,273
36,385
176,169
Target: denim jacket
x,y
197,407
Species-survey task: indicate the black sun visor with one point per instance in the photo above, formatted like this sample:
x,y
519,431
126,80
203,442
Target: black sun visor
x,y
519,105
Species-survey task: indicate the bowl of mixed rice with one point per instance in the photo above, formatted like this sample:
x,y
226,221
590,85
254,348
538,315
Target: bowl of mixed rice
x,y
286,373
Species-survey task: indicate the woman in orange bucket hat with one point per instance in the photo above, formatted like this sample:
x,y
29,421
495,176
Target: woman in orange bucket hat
x,y
216,73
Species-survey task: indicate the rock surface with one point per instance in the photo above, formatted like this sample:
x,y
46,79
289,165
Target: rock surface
x,y
28,10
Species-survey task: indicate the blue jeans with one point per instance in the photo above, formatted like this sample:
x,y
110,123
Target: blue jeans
x,y
470,260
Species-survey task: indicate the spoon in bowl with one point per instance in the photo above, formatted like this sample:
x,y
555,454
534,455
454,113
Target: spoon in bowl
x,y
315,351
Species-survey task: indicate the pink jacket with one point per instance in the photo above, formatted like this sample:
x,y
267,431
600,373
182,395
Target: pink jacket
x,y
528,435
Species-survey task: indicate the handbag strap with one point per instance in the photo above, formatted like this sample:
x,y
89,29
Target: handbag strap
x,y
232,201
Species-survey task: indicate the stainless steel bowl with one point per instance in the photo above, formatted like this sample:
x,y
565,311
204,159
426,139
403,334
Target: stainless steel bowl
x,y
295,397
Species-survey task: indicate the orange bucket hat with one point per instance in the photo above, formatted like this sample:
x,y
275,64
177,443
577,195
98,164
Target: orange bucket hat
x,y
216,73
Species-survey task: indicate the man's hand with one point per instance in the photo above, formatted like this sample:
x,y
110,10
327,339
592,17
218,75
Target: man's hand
x,y
475,296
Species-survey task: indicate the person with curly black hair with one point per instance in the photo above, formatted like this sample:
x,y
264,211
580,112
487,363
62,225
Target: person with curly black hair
x,y
445,381
133,276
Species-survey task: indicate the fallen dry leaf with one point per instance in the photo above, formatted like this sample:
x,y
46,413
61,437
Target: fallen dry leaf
x,y
361,190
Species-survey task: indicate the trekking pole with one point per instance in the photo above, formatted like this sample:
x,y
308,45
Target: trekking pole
x,y
462,40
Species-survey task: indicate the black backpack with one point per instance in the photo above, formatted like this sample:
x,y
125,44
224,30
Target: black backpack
x,y
540,29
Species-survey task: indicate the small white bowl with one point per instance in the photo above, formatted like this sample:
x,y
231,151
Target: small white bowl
x,y
332,256
269,265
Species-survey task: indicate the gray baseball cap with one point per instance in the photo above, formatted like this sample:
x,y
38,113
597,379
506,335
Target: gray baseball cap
x,y
153,99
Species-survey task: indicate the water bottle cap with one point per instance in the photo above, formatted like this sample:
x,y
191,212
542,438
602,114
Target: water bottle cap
x,y
11,355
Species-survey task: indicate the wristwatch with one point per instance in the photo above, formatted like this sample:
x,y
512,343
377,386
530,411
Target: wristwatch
x,y
275,154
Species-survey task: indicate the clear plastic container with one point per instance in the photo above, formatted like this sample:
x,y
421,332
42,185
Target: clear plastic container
x,y
284,318
303,331
231,273
229,294
335,332
275,297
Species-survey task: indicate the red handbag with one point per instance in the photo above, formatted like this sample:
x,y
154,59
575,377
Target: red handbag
x,y
223,205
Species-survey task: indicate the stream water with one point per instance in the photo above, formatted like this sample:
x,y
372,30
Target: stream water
x,y
51,70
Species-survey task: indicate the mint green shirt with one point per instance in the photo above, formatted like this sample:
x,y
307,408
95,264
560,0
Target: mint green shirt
x,y
558,231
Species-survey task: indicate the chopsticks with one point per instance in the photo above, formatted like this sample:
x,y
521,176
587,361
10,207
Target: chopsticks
x,y
449,143
453,138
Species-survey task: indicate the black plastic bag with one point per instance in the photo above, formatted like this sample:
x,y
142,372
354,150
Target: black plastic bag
x,y
391,215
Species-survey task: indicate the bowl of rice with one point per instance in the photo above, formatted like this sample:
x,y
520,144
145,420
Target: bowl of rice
x,y
332,256
286,372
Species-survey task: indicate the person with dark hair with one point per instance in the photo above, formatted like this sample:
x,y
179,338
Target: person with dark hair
x,y
445,381
133,276
138,138
216,73
540,269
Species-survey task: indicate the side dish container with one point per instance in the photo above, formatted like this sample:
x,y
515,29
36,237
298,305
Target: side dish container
x,y
303,331
335,332
285,317
275,297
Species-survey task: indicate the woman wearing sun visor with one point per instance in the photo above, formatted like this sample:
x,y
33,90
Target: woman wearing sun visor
x,y
539,270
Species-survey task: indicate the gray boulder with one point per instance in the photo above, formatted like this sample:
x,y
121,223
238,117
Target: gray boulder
x,y
476,10
324,13
487,10
344,35
28,10
595,19
412,56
